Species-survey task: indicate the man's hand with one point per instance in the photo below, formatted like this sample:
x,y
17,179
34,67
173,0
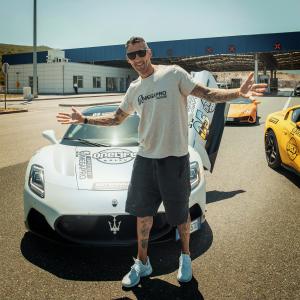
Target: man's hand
x,y
249,89
109,119
73,118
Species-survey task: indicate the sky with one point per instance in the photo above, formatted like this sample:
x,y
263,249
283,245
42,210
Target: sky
x,y
65,24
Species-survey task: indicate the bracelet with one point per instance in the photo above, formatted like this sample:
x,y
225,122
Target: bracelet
x,y
85,120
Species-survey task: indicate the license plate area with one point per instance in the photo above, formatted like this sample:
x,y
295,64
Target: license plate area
x,y
195,225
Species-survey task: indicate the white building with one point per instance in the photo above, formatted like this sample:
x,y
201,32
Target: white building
x,y
58,75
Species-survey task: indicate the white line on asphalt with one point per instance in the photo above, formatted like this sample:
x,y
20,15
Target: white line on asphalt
x,y
287,103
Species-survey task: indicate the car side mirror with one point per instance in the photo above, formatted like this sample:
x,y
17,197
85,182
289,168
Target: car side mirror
x,y
298,124
50,136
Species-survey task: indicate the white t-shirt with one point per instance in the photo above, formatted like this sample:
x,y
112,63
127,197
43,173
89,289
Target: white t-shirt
x,y
161,102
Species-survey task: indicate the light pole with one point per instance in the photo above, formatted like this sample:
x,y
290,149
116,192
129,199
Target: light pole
x,y
255,68
34,85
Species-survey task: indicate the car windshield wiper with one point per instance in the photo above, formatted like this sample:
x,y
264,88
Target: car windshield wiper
x,y
87,142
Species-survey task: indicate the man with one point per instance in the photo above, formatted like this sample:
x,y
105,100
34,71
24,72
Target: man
x,y
161,168
75,86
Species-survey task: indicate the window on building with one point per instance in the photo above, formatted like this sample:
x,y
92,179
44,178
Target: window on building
x,y
79,80
122,85
111,84
96,82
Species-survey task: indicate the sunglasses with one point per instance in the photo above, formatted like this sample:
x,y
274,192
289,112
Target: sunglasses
x,y
140,53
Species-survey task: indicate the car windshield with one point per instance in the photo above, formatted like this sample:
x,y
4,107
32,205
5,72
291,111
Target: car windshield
x,y
240,101
125,134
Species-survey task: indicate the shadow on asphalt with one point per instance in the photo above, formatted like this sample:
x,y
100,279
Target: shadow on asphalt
x,y
214,196
236,124
159,289
107,264
295,179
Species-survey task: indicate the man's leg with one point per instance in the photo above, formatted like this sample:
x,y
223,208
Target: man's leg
x,y
144,226
142,266
185,272
184,233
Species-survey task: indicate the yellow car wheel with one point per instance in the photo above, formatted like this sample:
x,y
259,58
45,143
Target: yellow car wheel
x,y
271,150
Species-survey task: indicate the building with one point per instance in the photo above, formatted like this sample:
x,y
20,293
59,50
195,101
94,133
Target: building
x,y
262,53
57,75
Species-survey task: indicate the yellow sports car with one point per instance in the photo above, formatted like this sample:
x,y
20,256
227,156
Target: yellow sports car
x,y
242,110
282,139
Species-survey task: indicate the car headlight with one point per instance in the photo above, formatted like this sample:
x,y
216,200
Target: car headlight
x,y
194,174
36,180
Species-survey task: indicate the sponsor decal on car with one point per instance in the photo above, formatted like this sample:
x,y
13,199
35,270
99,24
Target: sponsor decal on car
x,y
292,149
296,131
85,164
208,106
111,186
201,124
114,156
191,104
273,120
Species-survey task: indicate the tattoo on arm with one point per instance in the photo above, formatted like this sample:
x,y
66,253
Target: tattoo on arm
x,y
115,118
215,95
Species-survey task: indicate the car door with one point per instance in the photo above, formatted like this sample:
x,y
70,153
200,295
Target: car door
x,y
292,142
206,122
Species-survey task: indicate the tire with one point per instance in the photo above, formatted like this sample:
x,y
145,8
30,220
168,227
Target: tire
x,y
272,150
256,119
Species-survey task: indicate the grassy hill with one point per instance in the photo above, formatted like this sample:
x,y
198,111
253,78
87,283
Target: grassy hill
x,y
12,49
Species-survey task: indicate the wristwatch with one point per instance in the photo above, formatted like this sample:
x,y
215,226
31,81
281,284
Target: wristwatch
x,y
85,120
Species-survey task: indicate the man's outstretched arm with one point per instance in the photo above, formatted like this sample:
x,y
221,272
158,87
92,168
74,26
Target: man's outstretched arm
x,y
115,118
76,117
247,90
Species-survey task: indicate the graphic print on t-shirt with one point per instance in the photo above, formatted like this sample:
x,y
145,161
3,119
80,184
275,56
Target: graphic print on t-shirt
x,y
157,95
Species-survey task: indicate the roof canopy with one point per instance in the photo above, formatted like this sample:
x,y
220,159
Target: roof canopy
x,y
276,51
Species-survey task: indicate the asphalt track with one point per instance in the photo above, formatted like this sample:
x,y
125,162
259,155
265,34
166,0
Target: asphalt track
x,y
249,247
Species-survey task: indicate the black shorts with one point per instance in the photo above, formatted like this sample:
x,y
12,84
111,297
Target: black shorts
x,y
164,180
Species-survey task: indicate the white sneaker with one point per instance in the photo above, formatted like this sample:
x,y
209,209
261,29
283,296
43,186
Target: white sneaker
x,y
185,268
137,271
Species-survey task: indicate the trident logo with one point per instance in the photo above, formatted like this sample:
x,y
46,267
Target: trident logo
x,y
114,228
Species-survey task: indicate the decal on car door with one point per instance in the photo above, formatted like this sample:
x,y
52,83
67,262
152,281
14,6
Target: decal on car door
x,y
206,122
84,164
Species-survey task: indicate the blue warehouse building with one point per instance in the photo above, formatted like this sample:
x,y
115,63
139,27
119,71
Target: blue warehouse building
x,y
272,52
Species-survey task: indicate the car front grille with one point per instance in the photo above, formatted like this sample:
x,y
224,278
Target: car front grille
x,y
95,230
106,229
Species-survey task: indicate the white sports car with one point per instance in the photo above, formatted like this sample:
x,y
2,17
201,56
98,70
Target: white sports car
x,y
75,189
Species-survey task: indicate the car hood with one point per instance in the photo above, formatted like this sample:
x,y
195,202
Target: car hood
x,y
107,169
104,168
90,168
239,110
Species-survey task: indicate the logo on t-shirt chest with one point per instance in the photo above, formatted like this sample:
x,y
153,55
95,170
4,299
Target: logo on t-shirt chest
x,y
152,96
